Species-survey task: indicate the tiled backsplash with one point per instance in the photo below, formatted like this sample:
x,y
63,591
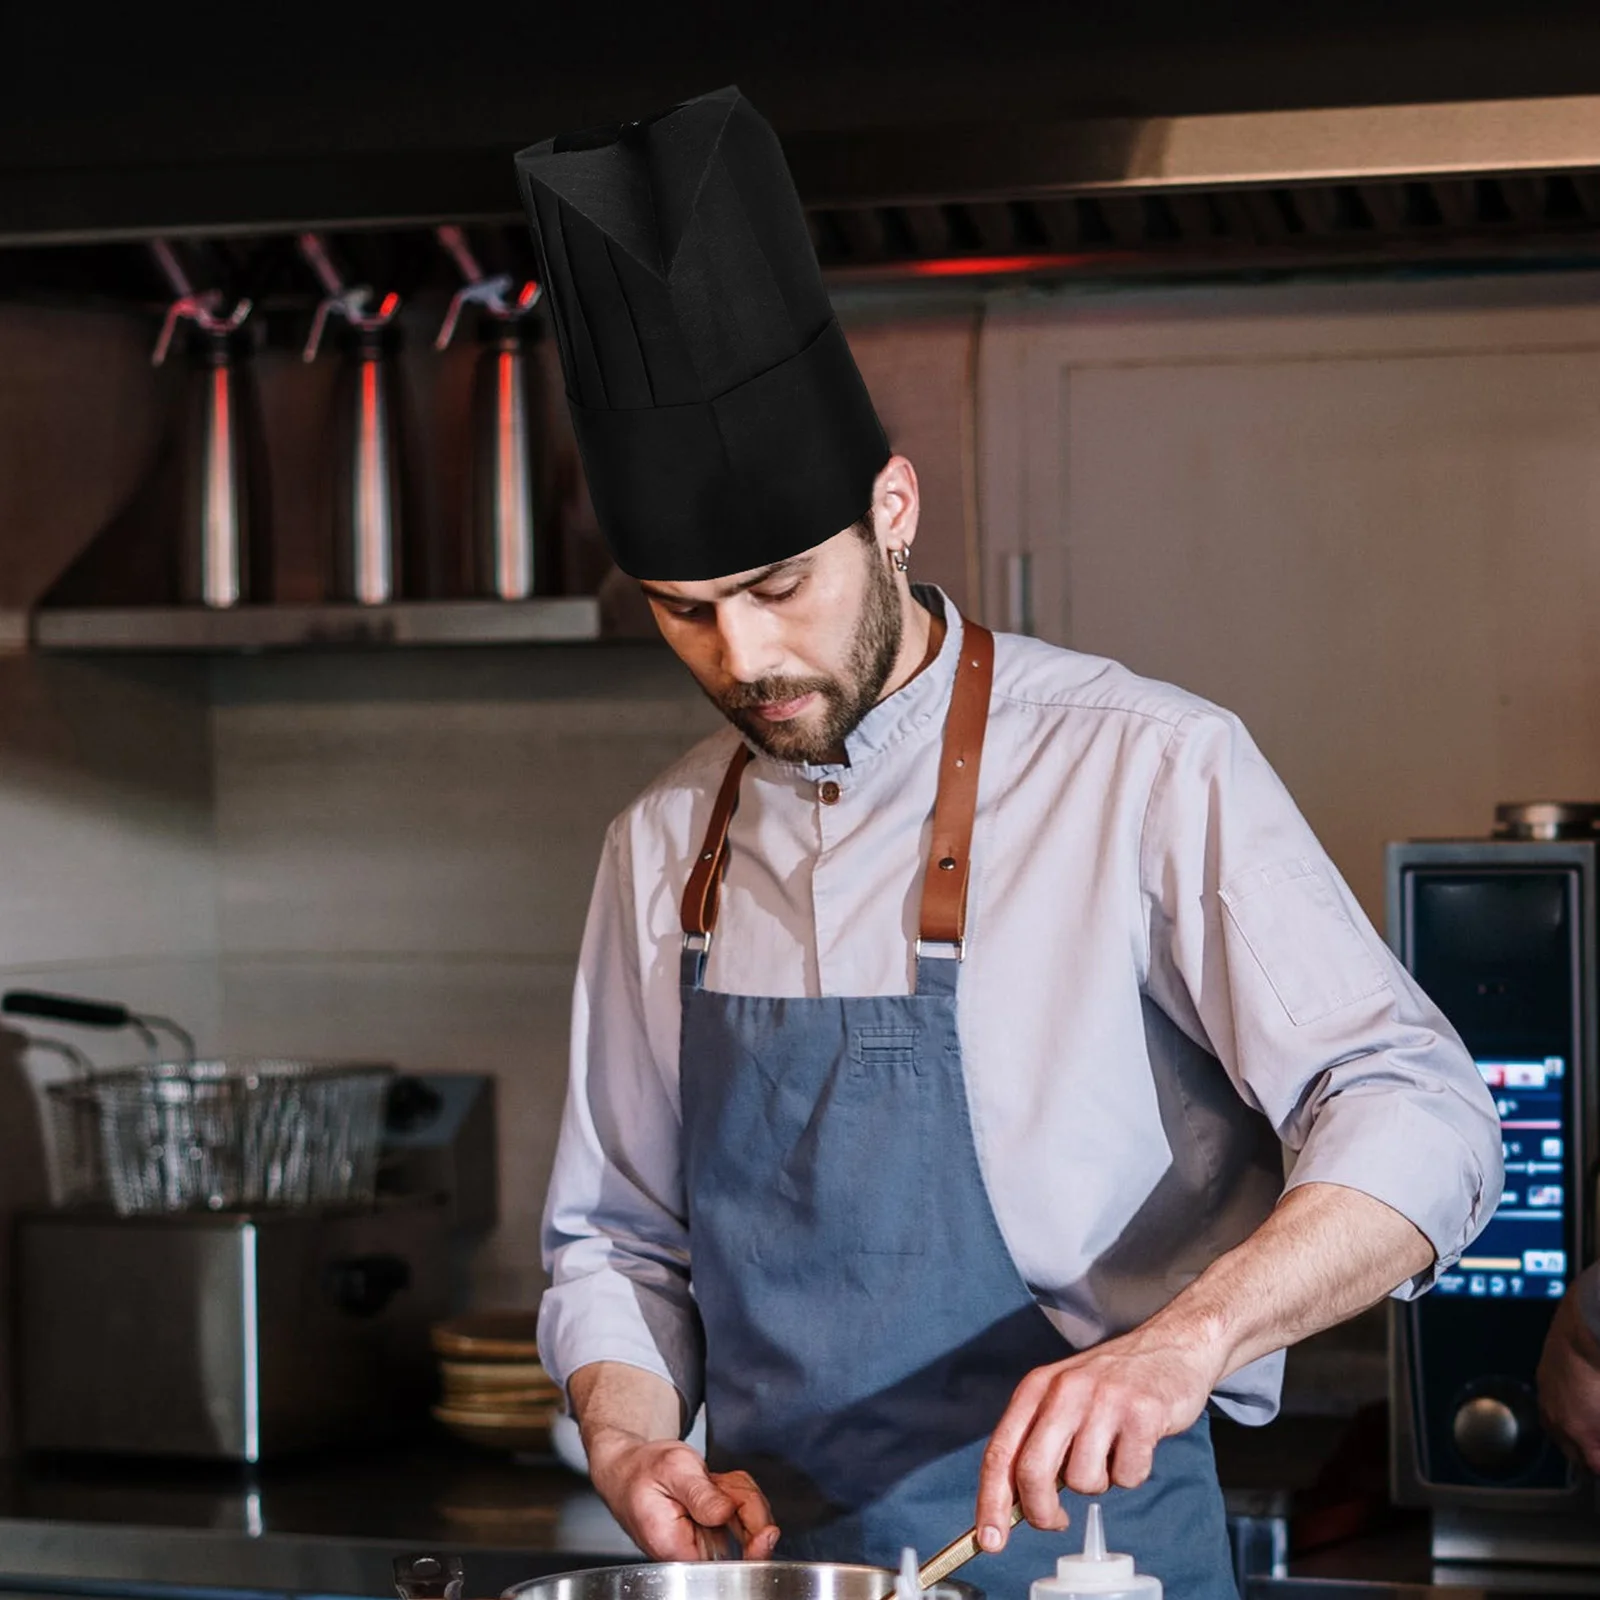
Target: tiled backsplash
x,y
380,856
338,856
405,851
108,878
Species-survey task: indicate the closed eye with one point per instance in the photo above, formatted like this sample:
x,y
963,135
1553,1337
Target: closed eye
x,y
777,596
703,610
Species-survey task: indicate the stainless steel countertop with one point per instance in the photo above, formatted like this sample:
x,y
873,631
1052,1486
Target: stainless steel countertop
x,y
325,1525
1395,1562
332,1525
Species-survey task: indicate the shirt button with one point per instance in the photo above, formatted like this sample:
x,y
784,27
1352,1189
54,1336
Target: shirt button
x,y
828,793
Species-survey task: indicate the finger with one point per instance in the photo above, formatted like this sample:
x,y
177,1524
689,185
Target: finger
x,y
715,1544
1087,1461
1133,1455
664,1530
1039,1462
752,1513
761,1546
996,1490
700,1496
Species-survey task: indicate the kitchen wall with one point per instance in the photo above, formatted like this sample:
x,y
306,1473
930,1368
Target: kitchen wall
x,y
1361,515
406,843
1325,497
106,878
405,848
106,874
382,855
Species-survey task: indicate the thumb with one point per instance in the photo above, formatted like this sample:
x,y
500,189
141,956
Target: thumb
x,y
703,1500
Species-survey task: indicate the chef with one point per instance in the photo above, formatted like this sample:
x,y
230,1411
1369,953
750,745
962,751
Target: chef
x,y
945,1025
1569,1371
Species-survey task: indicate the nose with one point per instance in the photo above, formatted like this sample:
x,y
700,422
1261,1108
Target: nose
x,y
750,648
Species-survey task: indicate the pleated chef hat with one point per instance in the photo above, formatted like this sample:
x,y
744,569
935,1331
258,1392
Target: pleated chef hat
x,y
721,418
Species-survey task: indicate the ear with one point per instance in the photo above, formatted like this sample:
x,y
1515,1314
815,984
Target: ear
x,y
895,504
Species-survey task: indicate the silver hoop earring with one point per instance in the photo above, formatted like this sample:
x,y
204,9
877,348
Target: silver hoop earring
x,y
901,559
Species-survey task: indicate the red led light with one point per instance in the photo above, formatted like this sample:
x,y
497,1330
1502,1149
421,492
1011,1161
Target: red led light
x,y
992,266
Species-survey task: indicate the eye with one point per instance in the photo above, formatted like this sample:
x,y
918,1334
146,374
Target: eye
x,y
777,596
683,611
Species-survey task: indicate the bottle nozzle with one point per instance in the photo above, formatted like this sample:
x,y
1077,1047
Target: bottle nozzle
x,y
908,1583
1094,1534
1096,1571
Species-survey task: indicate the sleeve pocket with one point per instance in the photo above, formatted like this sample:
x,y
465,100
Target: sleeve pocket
x,y
1302,938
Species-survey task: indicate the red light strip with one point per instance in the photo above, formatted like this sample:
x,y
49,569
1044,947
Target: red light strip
x,y
993,266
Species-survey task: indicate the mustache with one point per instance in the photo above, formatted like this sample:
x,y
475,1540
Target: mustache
x,y
772,691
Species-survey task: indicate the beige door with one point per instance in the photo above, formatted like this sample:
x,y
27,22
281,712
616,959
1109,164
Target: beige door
x,y
1367,518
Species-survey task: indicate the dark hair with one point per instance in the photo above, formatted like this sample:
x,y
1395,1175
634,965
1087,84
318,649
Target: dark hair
x,y
863,530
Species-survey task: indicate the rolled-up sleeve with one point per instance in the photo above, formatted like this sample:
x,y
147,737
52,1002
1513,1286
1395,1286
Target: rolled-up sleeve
x,y
615,1229
1258,947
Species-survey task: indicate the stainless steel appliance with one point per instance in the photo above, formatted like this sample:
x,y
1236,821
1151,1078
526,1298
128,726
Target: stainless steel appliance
x,y
1501,933
185,1135
230,1335
194,1324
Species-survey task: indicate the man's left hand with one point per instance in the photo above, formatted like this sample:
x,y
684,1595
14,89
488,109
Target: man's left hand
x,y
1090,1421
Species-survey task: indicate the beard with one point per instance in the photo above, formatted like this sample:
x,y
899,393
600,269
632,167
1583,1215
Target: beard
x,y
874,645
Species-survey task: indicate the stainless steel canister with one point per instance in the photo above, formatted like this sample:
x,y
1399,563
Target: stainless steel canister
x,y
369,507
504,482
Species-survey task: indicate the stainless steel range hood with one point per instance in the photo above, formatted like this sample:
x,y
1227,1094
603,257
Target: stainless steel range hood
x,y
1508,178
1337,145
1470,181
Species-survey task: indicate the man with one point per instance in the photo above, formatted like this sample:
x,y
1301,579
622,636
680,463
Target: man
x,y
1569,1371
940,1025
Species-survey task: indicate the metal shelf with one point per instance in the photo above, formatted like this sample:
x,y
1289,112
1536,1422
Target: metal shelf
x,y
311,627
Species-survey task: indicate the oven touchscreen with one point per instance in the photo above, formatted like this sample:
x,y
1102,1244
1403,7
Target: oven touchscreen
x,y
1522,1253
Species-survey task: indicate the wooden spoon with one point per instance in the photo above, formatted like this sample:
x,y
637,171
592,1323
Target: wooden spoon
x,y
956,1554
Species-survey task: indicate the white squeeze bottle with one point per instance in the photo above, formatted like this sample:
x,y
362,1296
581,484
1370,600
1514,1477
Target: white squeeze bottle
x,y
1096,1571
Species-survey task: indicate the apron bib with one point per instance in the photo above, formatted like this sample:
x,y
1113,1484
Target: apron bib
x,y
865,1323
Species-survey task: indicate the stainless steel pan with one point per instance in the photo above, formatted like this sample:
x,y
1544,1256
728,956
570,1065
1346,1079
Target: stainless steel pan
x,y
431,1577
727,1580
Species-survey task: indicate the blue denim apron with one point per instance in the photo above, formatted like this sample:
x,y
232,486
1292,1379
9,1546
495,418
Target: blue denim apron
x,y
865,1323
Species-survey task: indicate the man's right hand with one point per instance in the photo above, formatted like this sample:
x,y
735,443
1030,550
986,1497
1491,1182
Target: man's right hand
x,y
667,1500
673,1507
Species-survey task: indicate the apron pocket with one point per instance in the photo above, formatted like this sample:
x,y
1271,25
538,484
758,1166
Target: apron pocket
x,y
874,1051
884,1126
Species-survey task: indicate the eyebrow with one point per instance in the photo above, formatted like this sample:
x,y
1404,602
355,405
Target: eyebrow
x,y
794,563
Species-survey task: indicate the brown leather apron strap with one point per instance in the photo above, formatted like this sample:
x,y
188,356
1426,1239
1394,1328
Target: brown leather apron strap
x,y
944,886
944,889
705,881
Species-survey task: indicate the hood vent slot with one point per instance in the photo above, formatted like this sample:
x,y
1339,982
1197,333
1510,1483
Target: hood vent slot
x,y
1362,188
1288,225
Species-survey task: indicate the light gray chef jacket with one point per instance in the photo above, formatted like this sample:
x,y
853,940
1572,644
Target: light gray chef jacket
x,y
1168,994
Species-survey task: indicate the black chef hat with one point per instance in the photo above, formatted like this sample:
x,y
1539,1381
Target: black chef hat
x,y
721,417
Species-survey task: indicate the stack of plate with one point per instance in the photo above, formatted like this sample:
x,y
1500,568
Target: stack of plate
x,y
493,1389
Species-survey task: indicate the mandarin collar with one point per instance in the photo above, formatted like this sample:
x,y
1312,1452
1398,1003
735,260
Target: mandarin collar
x,y
916,707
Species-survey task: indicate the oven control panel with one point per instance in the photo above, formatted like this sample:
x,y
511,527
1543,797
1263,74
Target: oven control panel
x,y
1523,1253
1497,935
